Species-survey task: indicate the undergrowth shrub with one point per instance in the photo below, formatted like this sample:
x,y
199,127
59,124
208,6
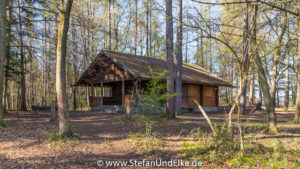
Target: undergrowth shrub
x,y
222,150
148,140
153,98
3,124
210,147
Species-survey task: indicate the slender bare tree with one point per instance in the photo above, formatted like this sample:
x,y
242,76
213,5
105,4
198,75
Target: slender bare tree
x,y
287,86
147,28
2,52
297,116
179,57
109,24
61,51
245,55
22,61
136,26
270,107
170,59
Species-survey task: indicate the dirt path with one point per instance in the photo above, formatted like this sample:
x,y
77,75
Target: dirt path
x,y
103,136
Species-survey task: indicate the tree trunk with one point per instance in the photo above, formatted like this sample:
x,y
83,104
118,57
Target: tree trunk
x,y
22,62
251,91
186,45
243,99
264,85
287,86
109,23
197,55
210,56
8,56
259,100
115,28
150,26
277,99
243,85
170,59
253,43
2,52
62,101
85,55
179,58
31,77
294,93
201,50
269,103
147,28
210,49
136,25
74,47
45,66
53,112
75,98
141,43
297,116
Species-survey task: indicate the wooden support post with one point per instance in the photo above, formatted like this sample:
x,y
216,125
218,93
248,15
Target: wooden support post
x,y
123,91
201,95
101,94
217,96
91,97
136,87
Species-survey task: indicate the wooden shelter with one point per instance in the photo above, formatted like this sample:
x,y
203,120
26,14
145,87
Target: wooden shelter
x,y
120,74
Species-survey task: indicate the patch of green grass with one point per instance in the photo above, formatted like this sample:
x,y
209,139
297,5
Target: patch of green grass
x,y
239,161
254,126
192,149
292,122
214,149
224,151
57,141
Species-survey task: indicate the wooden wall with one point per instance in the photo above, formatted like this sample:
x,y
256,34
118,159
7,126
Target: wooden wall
x,y
207,96
193,94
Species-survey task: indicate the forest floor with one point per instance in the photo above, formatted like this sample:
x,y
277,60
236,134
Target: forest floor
x,y
28,141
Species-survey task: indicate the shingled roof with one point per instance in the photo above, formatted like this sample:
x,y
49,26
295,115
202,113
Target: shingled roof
x,y
137,67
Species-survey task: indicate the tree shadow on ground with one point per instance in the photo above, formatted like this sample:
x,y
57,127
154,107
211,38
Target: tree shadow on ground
x,y
81,160
277,137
